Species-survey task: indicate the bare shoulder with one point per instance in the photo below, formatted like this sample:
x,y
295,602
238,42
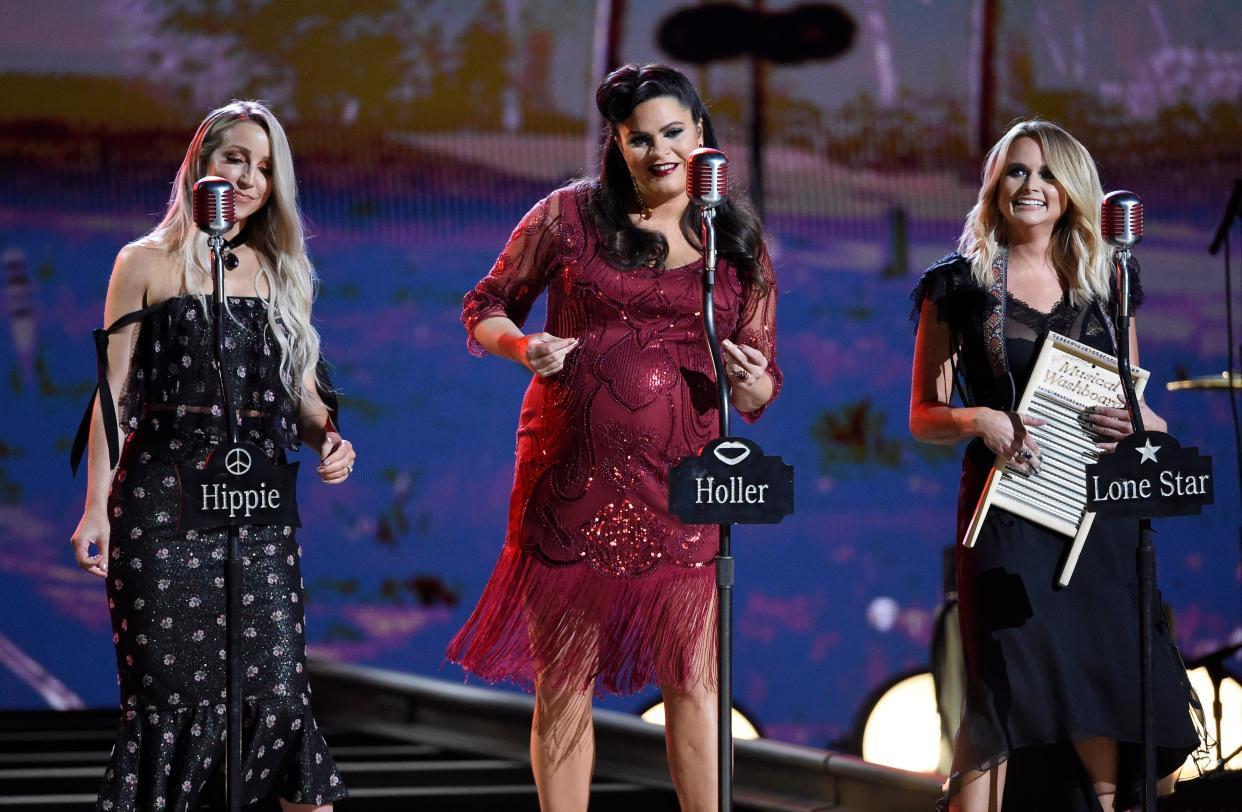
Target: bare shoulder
x,y
137,263
138,277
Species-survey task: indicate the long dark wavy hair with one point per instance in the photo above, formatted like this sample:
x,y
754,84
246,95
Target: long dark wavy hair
x,y
739,235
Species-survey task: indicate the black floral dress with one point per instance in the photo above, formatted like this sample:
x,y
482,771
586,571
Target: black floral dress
x,y
166,588
1046,665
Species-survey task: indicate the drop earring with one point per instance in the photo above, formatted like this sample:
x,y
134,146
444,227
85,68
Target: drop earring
x,y
644,212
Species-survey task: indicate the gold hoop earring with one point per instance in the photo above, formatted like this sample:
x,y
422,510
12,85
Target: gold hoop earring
x,y
644,212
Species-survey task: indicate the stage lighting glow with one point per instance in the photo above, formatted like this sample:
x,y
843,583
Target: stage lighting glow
x,y
1230,721
903,729
742,727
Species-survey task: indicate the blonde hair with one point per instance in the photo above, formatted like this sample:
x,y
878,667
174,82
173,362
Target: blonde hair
x,y
1077,248
275,233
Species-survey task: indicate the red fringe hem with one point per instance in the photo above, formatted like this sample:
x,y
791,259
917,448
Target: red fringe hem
x,y
573,628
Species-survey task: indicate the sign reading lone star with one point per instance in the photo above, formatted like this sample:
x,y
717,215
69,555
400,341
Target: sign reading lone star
x,y
1149,475
731,482
238,485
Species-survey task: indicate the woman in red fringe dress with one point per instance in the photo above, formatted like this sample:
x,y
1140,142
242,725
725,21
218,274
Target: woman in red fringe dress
x,y
599,588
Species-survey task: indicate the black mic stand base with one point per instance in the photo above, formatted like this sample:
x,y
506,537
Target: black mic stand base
x,y
724,674
1145,560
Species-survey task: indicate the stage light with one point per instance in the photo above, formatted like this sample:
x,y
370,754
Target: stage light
x,y
743,728
1230,720
903,726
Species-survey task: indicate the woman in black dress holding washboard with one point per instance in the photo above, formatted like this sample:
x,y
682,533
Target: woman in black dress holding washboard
x,y
1052,695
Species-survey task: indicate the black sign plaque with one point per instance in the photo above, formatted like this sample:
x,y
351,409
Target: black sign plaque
x,y
731,482
1149,475
239,485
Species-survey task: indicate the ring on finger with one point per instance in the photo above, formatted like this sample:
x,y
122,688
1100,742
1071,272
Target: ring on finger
x,y
1025,455
741,374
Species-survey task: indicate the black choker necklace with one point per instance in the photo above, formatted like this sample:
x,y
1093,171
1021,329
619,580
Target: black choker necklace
x,y
240,239
230,259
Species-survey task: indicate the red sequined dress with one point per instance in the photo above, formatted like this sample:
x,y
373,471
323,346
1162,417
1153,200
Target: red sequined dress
x,y
598,585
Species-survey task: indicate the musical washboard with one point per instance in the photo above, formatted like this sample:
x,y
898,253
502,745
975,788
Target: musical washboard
x,y
1068,378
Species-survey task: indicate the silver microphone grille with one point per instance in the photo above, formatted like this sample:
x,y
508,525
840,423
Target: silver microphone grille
x,y
1121,216
213,205
707,177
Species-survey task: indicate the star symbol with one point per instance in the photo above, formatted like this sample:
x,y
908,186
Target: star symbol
x,y
1148,452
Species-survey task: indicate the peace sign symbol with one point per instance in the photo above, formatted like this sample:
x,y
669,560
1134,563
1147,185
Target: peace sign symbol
x,y
237,461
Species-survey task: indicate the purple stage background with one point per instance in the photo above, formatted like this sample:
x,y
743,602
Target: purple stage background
x,y
424,129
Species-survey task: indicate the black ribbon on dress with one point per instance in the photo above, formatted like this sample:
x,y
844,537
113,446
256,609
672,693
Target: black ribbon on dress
x,y
103,392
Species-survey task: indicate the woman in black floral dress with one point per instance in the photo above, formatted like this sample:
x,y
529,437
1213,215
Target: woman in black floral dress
x,y
158,380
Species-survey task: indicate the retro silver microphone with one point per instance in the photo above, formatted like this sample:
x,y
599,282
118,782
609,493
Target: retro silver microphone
x,y
707,184
213,205
707,178
1121,216
1122,219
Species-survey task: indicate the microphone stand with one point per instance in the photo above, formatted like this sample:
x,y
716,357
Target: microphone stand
x,y
1214,662
1232,209
1145,553
233,564
724,557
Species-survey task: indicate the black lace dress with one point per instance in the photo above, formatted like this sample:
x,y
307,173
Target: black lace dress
x,y
166,588
1046,665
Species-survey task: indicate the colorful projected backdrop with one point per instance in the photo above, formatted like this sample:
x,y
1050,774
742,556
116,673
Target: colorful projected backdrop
x,y
422,132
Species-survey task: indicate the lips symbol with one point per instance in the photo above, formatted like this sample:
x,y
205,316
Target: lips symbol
x,y
731,452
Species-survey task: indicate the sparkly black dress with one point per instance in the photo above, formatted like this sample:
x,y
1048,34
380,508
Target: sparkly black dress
x,y
166,588
1046,665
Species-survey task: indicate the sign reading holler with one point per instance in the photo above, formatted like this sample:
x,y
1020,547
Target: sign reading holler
x,y
1150,475
731,482
238,486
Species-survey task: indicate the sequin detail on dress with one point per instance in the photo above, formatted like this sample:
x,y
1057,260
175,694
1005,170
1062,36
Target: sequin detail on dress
x,y
624,539
592,553
636,377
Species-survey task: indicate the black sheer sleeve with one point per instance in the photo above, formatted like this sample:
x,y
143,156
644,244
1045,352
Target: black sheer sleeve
x,y
949,285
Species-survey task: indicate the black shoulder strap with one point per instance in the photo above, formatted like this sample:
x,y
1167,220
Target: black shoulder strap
x,y
104,392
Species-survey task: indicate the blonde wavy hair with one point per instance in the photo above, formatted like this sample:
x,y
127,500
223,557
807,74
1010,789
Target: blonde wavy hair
x,y
275,231
1078,250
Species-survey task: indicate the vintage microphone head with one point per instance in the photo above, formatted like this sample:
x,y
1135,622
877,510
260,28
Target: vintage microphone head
x,y
213,205
707,177
1122,219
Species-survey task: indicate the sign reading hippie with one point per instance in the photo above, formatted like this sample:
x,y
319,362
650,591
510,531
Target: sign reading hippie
x,y
238,485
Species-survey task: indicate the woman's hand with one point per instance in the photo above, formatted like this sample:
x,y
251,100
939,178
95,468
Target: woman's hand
x,y
1005,434
543,353
750,386
93,529
1113,424
336,459
744,364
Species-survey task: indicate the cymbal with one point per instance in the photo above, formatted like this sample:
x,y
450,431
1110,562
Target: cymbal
x,y
1223,380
